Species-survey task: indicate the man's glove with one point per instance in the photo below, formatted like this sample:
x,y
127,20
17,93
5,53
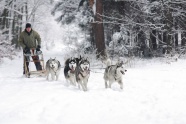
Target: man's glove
x,y
38,51
26,50
38,48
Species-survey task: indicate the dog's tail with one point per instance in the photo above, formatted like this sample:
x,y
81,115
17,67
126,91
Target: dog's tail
x,y
108,62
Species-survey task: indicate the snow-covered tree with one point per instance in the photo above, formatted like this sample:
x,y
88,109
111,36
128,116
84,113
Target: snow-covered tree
x,y
6,49
14,14
76,14
68,10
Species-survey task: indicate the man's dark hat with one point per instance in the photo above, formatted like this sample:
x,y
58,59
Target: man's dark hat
x,y
28,25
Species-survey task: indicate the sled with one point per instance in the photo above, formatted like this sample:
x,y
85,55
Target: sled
x,y
28,58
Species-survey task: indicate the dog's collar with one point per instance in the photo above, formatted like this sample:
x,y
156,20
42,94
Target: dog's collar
x,y
72,71
115,73
115,77
55,71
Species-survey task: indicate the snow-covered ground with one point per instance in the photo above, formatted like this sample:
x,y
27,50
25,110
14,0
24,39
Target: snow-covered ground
x,y
154,93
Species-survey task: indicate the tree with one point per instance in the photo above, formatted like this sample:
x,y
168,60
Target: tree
x,y
141,25
68,10
6,49
99,30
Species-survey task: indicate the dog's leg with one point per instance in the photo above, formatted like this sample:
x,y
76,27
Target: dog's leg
x,y
82,85
106,85
79,83
52,75
85,83
57,76
121,84
106,79
70,80
47,75
74,81
110,83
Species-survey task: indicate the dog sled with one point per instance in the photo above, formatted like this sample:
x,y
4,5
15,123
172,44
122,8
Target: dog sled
x,y
29,59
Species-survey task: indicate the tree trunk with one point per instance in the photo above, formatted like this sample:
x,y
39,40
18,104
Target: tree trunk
x,y
26,10
168,21
4,15
99,31
21,20
153,39
11,15
176,39
183,38
159,39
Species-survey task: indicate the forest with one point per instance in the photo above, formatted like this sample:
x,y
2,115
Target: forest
x,y
140,28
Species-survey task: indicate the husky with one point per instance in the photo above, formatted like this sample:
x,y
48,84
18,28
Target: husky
x,y
53,67
69,70
83,73
114,73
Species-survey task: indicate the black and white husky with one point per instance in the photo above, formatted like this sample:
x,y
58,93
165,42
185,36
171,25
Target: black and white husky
x,y
114,73
69,70
53,67
83,73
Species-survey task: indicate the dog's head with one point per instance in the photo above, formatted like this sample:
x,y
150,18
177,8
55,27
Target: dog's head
x,y
78,59
53,63
72,63
120,69
84,64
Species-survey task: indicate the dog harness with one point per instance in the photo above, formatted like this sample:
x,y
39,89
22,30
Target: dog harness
x,y
88,72
115,73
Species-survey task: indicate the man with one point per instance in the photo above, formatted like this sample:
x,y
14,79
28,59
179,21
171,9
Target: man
x,y
28,40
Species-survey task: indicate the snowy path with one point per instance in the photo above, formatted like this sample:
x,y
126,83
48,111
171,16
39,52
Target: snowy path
x,y
153,94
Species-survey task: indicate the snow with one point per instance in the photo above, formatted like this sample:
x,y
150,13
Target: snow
x,y
154,93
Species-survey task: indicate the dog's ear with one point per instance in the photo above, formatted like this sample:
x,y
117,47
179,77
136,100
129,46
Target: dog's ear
x,y
120,63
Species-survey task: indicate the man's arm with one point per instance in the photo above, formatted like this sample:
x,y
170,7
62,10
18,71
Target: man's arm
x,y
38,38
21,41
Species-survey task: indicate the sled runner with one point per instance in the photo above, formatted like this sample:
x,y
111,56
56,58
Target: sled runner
x,y
35,57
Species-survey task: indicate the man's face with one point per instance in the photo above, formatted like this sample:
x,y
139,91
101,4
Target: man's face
x,y
28,29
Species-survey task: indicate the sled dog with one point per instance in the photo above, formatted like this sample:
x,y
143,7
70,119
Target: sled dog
x,y
83,73
53,67
69,70
114,73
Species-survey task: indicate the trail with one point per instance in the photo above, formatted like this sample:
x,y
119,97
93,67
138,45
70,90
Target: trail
x,y
154,93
